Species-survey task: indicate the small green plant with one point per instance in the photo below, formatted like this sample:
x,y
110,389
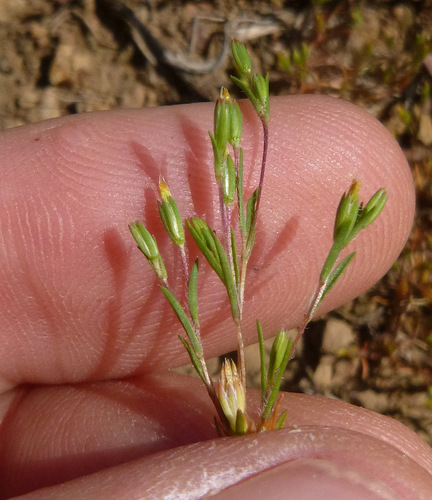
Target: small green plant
x,y
296,63
229,256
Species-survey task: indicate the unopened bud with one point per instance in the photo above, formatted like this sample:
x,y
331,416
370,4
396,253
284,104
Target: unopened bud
x,y
241,60
347,213
231,393
170,215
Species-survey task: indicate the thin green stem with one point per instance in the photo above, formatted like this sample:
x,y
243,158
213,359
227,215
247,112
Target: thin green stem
x,y
263,164
243,270
240,354
310,311
209,383
185,265
244,258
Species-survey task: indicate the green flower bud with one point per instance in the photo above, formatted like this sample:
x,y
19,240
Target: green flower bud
x,y
170,215
236,122
241,60
372,209
242,423
159,268
222,120
260,87
145,241
148,246
346,216
229,181
231,393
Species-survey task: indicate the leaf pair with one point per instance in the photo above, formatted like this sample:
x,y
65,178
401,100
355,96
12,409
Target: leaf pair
x,y
271,376
214,252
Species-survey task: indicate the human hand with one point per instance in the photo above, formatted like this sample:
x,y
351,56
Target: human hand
x,y
86,337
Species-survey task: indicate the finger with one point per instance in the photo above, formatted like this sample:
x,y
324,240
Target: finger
x,y
99,426
79,302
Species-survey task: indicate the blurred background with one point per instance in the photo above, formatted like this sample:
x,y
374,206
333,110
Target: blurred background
x,y
61,57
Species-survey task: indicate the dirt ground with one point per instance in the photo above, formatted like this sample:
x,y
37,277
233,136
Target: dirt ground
x,y
61,57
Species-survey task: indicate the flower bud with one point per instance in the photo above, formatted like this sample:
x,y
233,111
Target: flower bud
x,y
241,60
170,215
231,393
229,181
372,209
145,241
222,120
148,246
260,87
236,122
347,213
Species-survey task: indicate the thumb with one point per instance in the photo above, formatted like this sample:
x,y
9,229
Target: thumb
x,y
328,447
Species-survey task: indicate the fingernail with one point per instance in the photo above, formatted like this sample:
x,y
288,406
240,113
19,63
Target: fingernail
x,y
306,479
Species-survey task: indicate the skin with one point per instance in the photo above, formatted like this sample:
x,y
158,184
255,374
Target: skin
x,y
87,340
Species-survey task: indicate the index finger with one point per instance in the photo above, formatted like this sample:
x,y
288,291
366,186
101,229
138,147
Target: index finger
x,y
78,301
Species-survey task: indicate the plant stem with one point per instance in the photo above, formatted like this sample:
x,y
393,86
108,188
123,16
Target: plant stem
x,y
185,265
263,164
240,354
244,260
310,311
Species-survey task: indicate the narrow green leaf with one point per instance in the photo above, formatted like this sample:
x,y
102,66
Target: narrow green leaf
x,y
235,258
217,157
212,258
193,293
250,243
281,420
194,360
250,210
240,195
263,370
247,90
330,261
209,238
228,280
276,354
335,275
184,320
276,385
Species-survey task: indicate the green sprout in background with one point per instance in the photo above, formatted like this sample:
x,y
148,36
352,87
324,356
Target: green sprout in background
x,y
229,258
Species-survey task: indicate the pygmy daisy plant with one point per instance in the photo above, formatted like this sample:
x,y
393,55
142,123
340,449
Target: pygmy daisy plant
x,y
229,255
